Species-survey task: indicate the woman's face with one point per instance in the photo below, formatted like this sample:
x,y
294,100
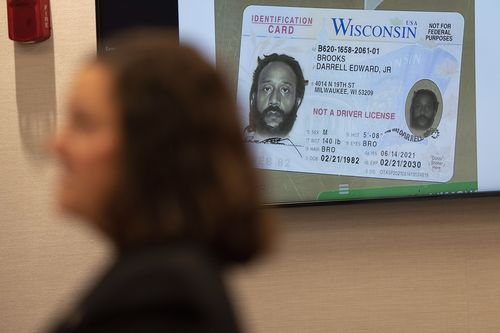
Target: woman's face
x,y
88,145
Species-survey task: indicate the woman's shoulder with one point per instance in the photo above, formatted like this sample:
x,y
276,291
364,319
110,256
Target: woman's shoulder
x,y
184,262
162,287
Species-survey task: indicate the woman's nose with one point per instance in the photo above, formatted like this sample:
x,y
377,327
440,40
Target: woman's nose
x,y
57,143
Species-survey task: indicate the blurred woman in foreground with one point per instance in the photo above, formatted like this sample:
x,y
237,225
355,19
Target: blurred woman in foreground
x,y
153,158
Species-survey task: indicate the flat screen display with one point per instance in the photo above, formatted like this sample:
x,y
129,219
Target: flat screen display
x,y
349,100
114,16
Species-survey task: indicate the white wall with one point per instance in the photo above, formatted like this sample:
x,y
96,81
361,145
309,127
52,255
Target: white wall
x,y
419,266
44,259
413,267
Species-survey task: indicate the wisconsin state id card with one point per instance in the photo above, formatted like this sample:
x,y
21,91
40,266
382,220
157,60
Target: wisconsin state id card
x,y
378,98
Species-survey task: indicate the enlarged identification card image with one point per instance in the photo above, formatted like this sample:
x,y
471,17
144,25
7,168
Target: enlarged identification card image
x,y
351,92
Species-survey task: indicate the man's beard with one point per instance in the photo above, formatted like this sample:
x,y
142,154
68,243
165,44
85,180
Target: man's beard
x,y
421,122
273,121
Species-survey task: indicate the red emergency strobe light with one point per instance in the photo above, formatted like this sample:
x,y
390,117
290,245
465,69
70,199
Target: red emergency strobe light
x,y
29,20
